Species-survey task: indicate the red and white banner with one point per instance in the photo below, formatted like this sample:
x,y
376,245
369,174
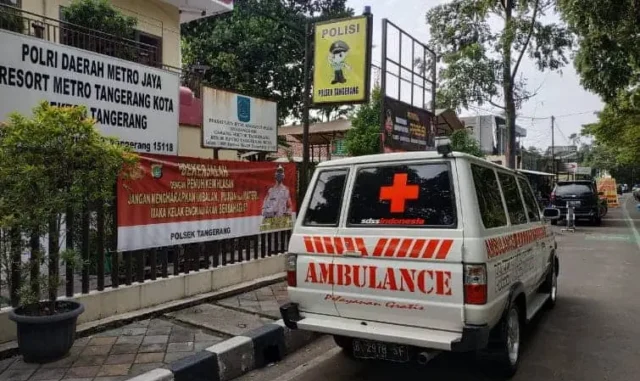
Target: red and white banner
x,y
172,200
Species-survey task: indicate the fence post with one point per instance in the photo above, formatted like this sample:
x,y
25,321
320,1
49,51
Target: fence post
x,y
34,262
153,263
16,263
256,246
176,259
69,243
54,257
85,247
164,259
128,268
100,243
216,253
115,256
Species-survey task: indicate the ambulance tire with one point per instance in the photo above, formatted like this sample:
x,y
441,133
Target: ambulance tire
x,y
346,344
508,350
550,285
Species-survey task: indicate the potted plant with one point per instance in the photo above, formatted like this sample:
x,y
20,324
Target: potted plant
x,y
50,165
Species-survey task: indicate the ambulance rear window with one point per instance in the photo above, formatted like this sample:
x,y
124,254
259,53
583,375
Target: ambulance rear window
x,y
413,195
326,199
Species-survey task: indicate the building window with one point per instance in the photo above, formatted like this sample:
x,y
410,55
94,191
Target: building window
x,y
150,49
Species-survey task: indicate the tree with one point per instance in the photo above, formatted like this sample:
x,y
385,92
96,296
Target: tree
x,y
463,141
258,49
482,64
100,15
608,52
85,17
618,129
50,162
331,113
364,136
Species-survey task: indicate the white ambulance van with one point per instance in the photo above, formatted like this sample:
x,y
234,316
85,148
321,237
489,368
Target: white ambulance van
x,y
401,256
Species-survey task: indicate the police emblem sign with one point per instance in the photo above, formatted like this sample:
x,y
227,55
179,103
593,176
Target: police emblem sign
x,y
342,61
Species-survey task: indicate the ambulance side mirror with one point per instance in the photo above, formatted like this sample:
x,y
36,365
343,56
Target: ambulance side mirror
x,y
550,214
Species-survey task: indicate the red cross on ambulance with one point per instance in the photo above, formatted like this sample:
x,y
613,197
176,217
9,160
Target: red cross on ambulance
x,y
399,192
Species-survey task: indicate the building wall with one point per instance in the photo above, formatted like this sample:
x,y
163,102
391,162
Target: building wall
x,y
154,17
189,144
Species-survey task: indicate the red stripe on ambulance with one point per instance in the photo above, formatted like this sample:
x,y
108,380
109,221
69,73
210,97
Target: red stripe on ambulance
x,y
384,247
498,246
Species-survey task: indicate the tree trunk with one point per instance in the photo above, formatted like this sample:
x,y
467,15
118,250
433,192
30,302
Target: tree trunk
x,y
507,85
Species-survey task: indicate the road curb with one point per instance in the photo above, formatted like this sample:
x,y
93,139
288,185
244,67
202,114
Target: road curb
x,y
234,357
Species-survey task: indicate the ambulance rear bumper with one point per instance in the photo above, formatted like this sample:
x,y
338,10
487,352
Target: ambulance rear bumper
x,y
470,339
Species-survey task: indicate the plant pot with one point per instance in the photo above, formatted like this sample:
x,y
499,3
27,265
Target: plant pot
x,y
43,338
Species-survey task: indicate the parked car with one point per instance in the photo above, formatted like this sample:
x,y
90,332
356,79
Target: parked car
x,y
401,256
582,195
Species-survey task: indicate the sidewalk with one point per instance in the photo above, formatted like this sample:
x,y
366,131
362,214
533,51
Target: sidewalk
x,y
121,353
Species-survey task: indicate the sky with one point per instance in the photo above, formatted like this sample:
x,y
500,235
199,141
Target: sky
x,y
560,94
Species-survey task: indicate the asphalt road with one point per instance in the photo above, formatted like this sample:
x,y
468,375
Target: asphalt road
x,y
592,334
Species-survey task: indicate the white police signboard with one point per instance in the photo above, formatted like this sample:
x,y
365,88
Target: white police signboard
x,y
135,103
237,122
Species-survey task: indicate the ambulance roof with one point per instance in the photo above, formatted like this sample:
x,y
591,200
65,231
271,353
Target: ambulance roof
x,y
402,156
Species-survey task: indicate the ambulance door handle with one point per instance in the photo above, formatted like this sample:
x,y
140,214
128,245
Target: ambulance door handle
x,y
351,254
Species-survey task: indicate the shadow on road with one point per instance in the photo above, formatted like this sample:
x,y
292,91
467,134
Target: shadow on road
x,y
539,345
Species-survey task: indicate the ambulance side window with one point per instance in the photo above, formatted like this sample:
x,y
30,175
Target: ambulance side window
x,y
489,201
530,201
326,200
515,206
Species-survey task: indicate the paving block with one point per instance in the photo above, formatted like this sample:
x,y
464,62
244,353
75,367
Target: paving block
x,y
219,319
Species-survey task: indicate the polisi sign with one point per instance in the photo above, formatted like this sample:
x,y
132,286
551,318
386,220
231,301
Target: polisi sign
x,y
428,282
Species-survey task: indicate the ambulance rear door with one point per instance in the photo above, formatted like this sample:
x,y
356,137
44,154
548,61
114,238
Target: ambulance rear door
x,y
312,241
401,242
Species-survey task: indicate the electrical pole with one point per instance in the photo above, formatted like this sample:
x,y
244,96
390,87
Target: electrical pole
x,y
308,56
553,143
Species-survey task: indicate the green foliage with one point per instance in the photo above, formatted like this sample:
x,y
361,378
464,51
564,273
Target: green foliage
x,y
10,18
100,15
608,51
364,136
481,64
476,57
258,49
462,141
52,161
618,130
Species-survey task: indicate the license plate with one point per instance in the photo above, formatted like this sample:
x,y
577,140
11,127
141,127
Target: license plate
x,y
365,349
574,203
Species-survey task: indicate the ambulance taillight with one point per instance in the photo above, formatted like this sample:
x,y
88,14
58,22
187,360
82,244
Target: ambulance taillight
x,y
290,266
475,284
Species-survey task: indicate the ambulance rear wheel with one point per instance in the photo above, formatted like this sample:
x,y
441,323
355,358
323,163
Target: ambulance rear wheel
x,y
346,344
508,350
343,342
